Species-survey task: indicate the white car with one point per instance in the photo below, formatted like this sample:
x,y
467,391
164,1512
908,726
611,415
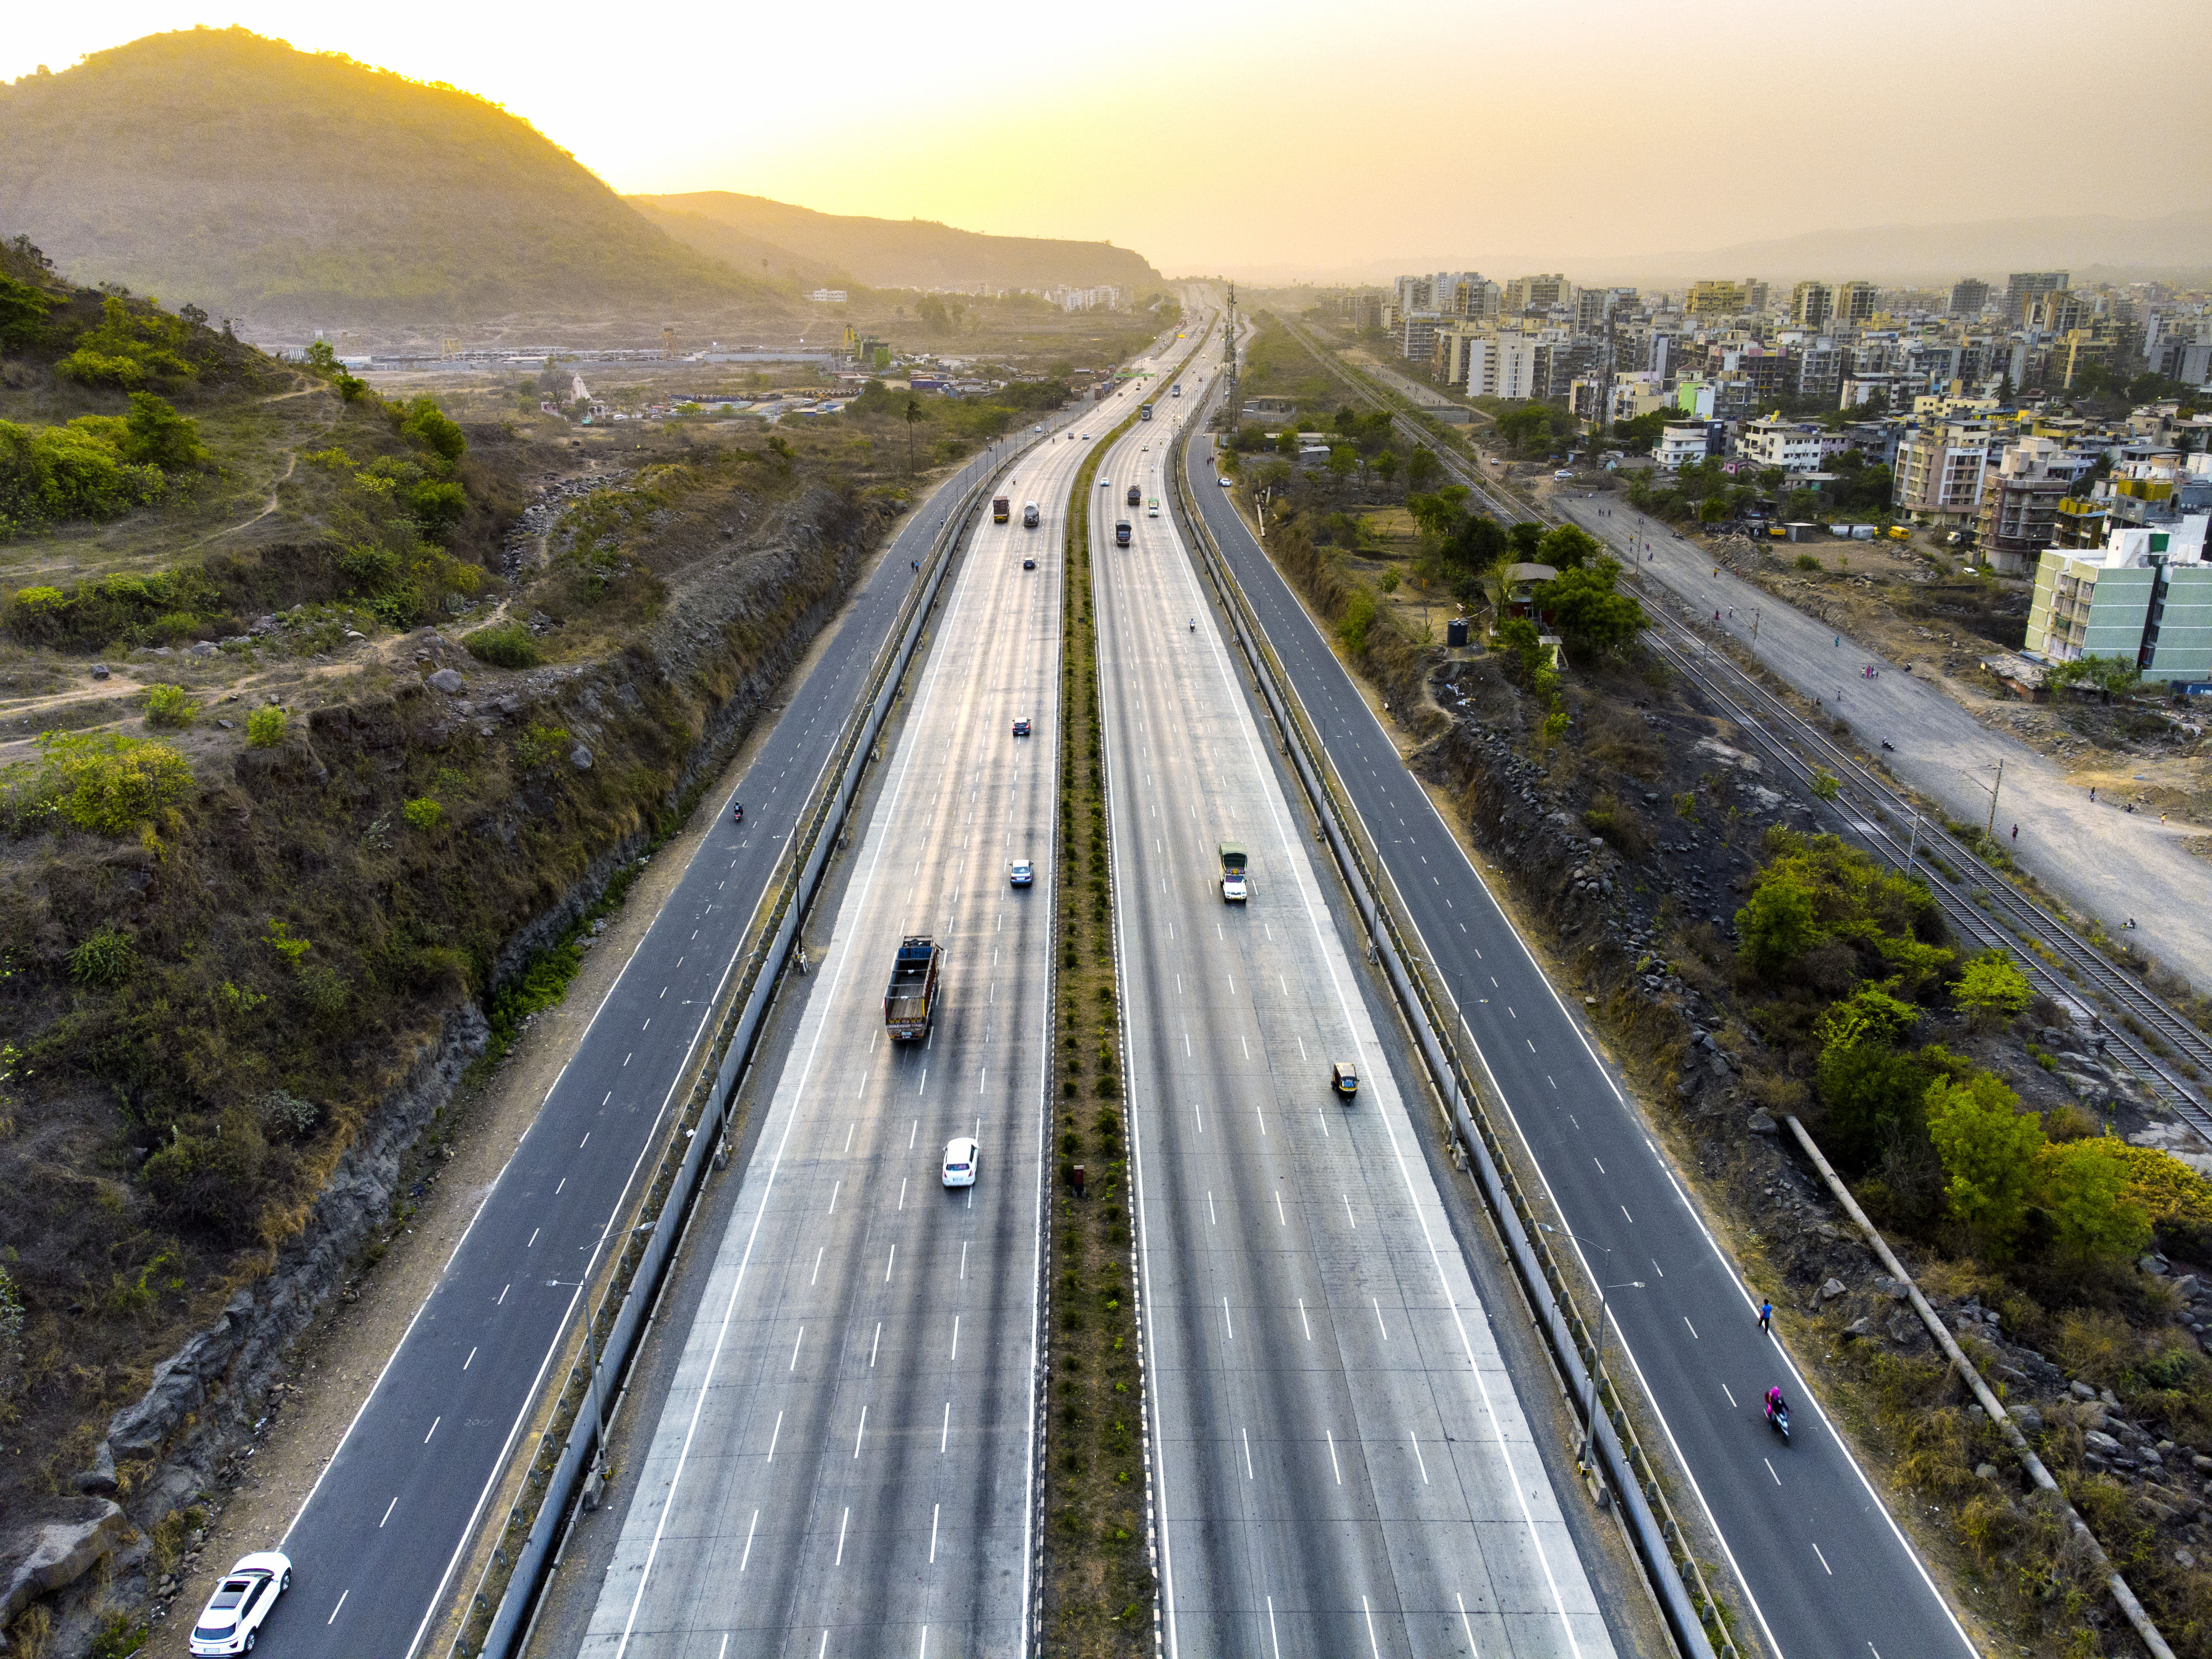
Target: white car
x,y
1224,484
235,1612
960,1162
1021,872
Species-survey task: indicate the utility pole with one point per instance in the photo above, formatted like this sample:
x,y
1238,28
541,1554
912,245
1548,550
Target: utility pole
x,y
1990,832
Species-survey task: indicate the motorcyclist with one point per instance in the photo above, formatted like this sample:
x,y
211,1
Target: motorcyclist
x,y
1193,624
1775,1403
738,813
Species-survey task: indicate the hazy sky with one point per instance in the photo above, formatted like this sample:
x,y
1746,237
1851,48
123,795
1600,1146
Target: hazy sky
x,y
1227,134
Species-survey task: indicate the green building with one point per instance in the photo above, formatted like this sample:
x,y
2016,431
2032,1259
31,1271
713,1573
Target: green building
x,y
2144,597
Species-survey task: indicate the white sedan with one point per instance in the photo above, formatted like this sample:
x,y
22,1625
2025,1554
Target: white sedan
x,y
235,1612
960,1162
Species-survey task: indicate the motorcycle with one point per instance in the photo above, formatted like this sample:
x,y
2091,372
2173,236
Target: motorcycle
x,y
1778,1418
1890,747
738,813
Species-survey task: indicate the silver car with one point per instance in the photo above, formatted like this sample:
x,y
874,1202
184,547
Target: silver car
x,y
235,1612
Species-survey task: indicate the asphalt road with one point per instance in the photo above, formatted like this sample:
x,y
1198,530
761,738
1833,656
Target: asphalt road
x,y
843,1462
375,1547
2103,858
1342,1463
1827,1572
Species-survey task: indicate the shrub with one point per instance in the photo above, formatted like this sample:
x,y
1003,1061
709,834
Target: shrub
x,y
169,705
505,645
424,814
106,783
1359,617
1824,783
214,1179
1777,923
1989,1150
540,746
1990,989
1807,562
106,958
266,727
286,1115
2085,1188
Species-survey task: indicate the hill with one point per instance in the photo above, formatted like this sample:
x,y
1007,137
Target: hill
x,y
754,233
216,168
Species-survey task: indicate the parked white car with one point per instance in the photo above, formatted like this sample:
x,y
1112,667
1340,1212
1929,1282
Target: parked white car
x,y
235,1612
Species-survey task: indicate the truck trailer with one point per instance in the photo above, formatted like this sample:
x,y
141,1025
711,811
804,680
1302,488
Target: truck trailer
x,y
1122,530
1029,515
911,1002
1001,509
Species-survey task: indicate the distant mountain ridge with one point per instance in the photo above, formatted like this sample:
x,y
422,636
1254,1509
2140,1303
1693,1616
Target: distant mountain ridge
x,y
220,169
752,233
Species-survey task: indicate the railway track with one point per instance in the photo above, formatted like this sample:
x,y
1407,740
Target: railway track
x,y
2157,1043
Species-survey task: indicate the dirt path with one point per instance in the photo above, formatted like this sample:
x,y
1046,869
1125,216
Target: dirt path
x,y
291,461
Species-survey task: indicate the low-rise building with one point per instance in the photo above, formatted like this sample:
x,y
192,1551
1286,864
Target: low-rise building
x,y
1684,443
2145,596
1793,446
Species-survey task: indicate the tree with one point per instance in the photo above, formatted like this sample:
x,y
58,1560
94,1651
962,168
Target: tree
x,y
1873,1095
1342,460
2109,677
1771,478
1991,1152
1527,540
1423,469
2084,1189
1778,923
1528,427
429,425
912,419
1712,510
1567,546
1991,989
1386,465
1589,614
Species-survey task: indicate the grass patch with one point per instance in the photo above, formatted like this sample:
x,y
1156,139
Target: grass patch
x,y
1097,1575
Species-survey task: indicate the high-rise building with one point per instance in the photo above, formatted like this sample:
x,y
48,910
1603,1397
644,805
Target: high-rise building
x,y
1939,469
1539,293
1968,295
1811,304
1854,302
1716,298
2145,596
1754,294
2057,311
2023,287
1594,306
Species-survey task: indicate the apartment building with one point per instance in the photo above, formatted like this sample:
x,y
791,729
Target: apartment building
x,y
2021,497
1684,443
1938,471
1715,298
1855,301
1417,335
2024,288
1508,366
1537,293
1793,446
2144,597
1811,305
1767,368
1454,341
1968,295
1630,396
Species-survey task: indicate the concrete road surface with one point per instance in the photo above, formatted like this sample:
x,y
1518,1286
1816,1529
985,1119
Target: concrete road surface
x,y
842,1464
1343,1467
2103,860
1828,1574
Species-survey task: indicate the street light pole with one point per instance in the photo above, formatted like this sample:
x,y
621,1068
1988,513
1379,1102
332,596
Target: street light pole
x,y
1597,1355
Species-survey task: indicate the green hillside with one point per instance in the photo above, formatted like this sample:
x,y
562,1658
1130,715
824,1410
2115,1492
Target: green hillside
x,y
219,168
777,240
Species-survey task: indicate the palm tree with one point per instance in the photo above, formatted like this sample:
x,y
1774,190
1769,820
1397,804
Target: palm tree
x,y
912,419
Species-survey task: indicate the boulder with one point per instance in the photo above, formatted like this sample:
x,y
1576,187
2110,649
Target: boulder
x,y
42,1556
448,681
1831,1290
1762,1122
2080,1390
1985,1471
99,1481
1895,1289
2099,1440
581,758
2029,1418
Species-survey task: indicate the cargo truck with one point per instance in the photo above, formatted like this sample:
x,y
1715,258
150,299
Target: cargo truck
x,y
1001,509
1029,515
1235,889
1144,411
911,1000
1122,530
1175,390
1136,495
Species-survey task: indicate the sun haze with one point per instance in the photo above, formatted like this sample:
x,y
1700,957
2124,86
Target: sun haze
x,y
1296,137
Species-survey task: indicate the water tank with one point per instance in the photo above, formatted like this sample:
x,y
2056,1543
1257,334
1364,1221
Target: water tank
x,y
1455,631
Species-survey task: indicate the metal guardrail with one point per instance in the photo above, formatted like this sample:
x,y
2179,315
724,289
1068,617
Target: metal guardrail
x,y
556,1464
1676,1577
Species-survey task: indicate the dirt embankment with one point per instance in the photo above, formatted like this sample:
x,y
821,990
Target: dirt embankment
x,y
121,1476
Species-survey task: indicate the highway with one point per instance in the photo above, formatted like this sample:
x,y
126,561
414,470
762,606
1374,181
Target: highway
x,y
843,1461
1827,1572
1342,1464
376,1545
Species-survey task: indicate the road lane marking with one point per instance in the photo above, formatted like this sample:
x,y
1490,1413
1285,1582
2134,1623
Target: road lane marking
x,y
861,1433
464,1363
795,1341
1379,1325
1373,1645
388,1508
888,1260
503,1290
1210,1218
1769,1469
934,1509
834,1185
775,1434
875,1345
1731,1397
1228,1319
955,1354
1348,1215
434,1428
333,1618
817,1277
845,1522
964,1258
1694,1330
944,1433
1421,1462
584,1142
1830,1571
556,1190
1281,1220
902,1203
1303,1321
532,1239
742,1559
1333,1464
1464,1625
1631,1219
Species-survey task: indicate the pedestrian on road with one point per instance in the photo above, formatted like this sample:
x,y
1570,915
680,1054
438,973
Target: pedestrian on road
x,y
2161,818
1839,641
1766,1317
2093,794
2016,835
